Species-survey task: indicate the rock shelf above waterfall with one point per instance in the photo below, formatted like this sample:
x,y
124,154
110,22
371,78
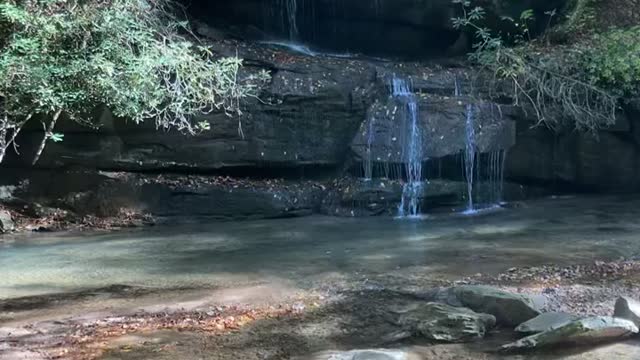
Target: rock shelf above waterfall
x,y
314,111
382,136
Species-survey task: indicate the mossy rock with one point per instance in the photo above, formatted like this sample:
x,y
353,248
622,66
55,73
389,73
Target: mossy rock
x,y
442,322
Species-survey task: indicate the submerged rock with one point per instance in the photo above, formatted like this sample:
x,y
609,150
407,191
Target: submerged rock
x,y
447,323
508,308
546,322
6,222
585,331
627,308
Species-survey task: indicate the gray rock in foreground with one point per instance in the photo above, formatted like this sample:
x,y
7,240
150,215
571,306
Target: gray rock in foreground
x,y
546,322
442,322
585,331
627,308
6,223
508,308
374,354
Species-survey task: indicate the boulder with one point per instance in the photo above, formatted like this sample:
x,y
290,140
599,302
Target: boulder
x,y
585,331
442,322
546,322
509,309
6,222
6,192
384,135
627,308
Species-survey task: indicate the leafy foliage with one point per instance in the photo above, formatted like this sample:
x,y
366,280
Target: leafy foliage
x,y
551,82
65,57
613,61
580,20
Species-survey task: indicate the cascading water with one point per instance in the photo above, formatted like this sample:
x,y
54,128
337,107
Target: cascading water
x,y
368,162
470,155
378,7
495,176
292,15
412,189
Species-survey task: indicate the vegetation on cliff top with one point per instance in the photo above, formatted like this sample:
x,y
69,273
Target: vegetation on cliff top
x,y
63,58
574,75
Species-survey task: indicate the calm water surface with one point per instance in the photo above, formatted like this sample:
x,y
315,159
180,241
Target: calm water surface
x,y
308,250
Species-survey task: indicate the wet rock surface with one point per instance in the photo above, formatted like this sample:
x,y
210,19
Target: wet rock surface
x,y
383,136
546,322
585,331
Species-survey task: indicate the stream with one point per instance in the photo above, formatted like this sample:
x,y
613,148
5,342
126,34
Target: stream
x,y
314,251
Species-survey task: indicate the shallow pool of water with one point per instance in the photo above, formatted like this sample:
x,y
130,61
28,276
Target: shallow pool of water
x,y
305,251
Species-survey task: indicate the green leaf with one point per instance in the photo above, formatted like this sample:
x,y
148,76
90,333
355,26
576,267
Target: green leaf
x,y
57,137
527,15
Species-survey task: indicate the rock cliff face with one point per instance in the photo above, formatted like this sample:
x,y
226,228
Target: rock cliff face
x,y
306,115
310,118
327,115
443,121
311,113
606,162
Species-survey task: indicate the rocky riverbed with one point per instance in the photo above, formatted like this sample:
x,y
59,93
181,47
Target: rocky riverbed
x,y
299,287
285,324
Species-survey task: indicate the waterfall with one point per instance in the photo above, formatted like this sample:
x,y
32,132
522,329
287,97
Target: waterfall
x,y
495,177
378,7
368,162
292,13
470,155
412,189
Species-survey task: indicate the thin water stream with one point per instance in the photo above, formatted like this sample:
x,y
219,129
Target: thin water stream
x,y
413,154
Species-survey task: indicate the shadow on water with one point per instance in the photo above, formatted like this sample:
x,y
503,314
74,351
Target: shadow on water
x,y
46,301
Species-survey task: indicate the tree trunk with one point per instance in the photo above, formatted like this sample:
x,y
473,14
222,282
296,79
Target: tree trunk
x,y
8,138
4,133
47,134
3,150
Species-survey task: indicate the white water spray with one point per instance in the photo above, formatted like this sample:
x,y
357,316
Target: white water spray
x,y
470,155
412,189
